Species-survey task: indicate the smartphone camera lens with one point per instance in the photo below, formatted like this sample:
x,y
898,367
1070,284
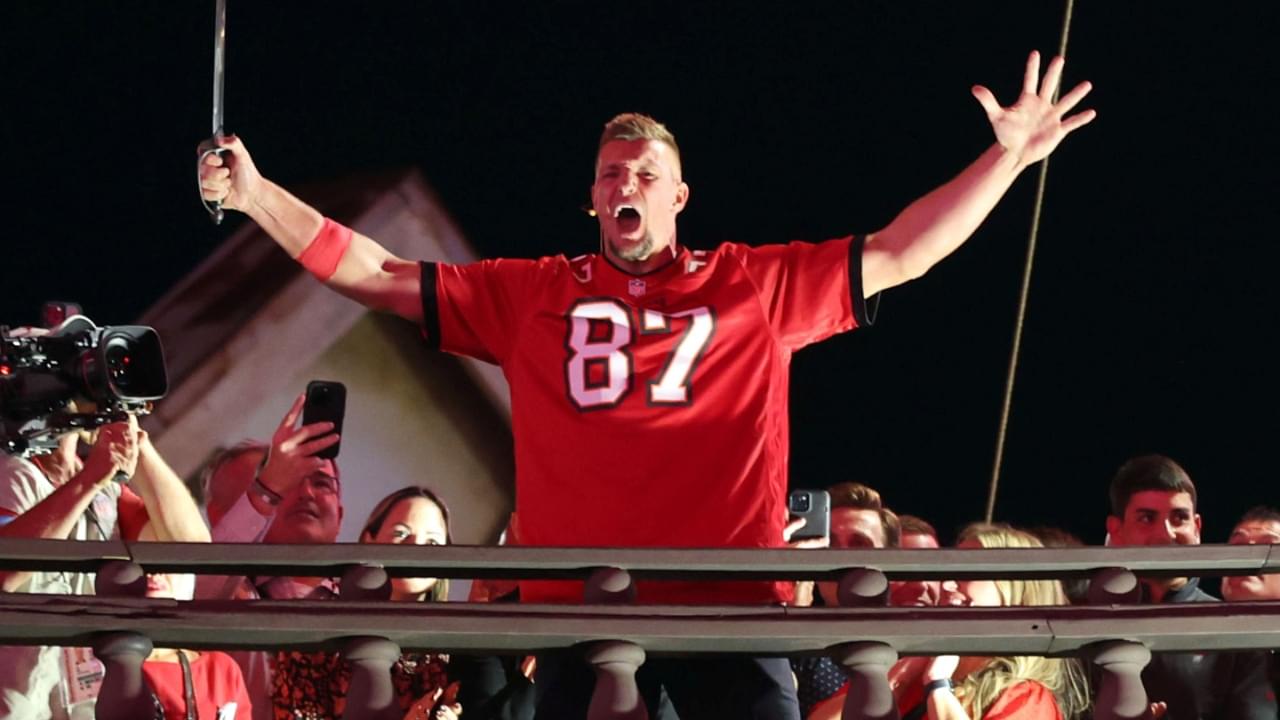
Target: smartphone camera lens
x,y
800,503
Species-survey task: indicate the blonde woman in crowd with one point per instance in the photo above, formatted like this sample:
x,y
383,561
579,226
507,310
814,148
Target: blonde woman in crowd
x,y
1001,688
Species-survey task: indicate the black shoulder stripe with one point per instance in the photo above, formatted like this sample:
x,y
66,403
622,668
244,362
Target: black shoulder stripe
x,y
430,306
864,308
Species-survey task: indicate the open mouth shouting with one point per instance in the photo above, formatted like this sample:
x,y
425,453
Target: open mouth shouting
x,y
627,219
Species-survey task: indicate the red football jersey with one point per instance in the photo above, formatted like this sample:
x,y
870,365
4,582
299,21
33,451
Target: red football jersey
x,y
650,411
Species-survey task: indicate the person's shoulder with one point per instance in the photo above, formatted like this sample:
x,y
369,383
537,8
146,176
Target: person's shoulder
x,y
728,247
727,253
1028,688
1199,595
539,267
1026,699
217,661
16,465
779,248
1191,592
22,484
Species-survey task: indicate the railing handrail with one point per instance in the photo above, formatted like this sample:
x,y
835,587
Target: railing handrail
x,y
482,561
519,628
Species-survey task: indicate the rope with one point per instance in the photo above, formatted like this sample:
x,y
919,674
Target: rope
x,y
1022,299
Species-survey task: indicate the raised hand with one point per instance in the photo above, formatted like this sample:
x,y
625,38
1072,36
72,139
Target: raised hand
x,y
806,544
1034,125
230,177
291,458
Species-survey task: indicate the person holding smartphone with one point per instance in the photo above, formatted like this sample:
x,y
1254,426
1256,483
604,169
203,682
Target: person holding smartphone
x,y
293,496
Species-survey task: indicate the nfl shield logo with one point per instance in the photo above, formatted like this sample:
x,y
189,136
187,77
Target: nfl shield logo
x,y
636,287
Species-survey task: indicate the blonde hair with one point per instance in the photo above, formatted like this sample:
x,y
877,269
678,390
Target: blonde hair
x,y
636,126
1064,677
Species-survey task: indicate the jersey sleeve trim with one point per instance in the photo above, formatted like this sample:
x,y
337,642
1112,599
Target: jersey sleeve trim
x,y
430,306
864,309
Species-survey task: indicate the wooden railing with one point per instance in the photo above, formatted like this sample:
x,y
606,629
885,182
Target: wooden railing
x,y
864,635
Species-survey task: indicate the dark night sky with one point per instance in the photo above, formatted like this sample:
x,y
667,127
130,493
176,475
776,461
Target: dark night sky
x,y
1152,312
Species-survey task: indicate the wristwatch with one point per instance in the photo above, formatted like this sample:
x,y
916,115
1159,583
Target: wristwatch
x,y
264,493
939,684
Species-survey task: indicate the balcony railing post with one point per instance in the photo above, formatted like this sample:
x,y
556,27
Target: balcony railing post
x,y
870,696
609,586
1114,586
1121,694
615,662
616,696
365,582
371,695
125,694
122,579
863,587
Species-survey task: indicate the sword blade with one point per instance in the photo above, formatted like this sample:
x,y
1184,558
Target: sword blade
x,y
219,68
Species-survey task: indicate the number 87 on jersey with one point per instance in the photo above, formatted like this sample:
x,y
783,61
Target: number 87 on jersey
x,y
609,344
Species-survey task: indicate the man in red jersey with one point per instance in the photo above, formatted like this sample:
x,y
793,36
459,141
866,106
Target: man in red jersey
x,y
652,344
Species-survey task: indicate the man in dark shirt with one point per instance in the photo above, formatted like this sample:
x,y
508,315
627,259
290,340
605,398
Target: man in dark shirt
x,y
1153,502
1259,526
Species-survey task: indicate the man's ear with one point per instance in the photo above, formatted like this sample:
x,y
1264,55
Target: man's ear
x,y
682,197
1113,527
1198,525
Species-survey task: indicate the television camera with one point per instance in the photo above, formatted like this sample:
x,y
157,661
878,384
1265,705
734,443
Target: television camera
x,y
110,372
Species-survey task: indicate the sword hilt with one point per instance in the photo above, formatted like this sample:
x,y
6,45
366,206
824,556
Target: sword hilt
x,y
213,207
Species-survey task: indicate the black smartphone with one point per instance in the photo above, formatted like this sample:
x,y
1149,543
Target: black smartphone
x,y
815,507
326,402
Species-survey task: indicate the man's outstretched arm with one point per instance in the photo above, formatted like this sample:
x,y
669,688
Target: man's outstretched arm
x,y
932,227
365,271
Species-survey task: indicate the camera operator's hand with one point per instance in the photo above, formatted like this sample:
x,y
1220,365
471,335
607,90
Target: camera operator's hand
x,y
291,457
231,177
63,463
115,450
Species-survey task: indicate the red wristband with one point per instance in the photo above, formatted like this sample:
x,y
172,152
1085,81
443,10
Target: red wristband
x,y
322,256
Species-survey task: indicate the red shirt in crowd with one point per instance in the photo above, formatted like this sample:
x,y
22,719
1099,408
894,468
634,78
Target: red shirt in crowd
x,y
1027,700
217,683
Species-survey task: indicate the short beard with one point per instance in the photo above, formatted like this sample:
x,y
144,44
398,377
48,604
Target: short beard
x,y
635,253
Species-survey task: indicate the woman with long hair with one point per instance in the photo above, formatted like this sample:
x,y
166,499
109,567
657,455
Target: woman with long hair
x,y
411,515
314,685
999,688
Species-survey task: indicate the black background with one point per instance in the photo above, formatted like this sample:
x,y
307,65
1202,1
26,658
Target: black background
x,y
1152,317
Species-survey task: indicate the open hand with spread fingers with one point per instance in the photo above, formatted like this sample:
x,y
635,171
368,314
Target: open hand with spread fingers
x,y
291,458
1034,125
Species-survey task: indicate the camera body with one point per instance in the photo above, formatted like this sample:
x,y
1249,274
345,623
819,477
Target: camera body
x,y
815,507
119,369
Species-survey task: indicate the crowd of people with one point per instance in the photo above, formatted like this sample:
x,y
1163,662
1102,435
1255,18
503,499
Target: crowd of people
x,y
1153,502
616,360
299,500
